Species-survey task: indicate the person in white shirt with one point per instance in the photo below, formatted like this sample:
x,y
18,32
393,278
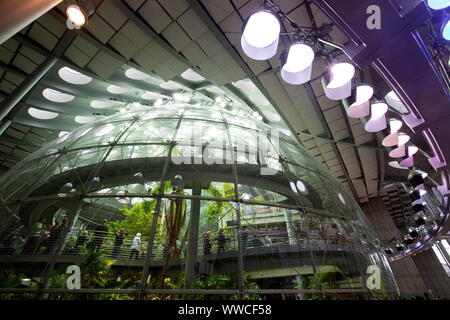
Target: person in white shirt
x,y
135,247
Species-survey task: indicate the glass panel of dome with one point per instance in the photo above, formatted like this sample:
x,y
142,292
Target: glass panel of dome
x,y
143,151
203,113
100,135
155,130
201,132
284,248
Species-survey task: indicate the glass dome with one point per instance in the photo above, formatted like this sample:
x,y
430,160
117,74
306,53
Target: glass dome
x,y
220,194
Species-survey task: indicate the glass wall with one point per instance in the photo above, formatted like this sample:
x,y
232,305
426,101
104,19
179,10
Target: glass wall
x,y
188,197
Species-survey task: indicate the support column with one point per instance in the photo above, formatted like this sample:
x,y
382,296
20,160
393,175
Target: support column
x,y
17,14
59,246
194,221
289,227
11,101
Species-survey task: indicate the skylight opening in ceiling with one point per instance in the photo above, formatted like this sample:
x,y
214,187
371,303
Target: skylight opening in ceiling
x,y
151,95
215,90
57,96
84,119
116,89
172,85
191,75
101,104
73,77
42,114
135,74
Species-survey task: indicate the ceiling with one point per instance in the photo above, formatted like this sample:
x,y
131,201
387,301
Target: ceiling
x,y
189,46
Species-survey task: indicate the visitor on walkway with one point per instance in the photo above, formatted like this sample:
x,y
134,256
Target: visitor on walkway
x,y
33,239
118,242
135,247
99,235
55,233
185,248
221,241
207,243
244,237
81,240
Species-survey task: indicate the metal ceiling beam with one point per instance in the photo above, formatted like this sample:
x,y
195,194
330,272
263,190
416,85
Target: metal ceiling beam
x,y
367,145
310,92
22,90
17,14
199,9
9,156
19,142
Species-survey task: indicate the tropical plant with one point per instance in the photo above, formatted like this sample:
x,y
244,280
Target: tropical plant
x,y
138,218
224,282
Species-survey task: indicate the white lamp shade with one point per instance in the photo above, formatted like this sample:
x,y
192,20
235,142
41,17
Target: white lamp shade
x,y
337,81
360,106
392,139
297,64
377,121
398,152
260,37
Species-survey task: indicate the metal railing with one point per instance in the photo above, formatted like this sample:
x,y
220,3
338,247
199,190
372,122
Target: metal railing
x,y
80,242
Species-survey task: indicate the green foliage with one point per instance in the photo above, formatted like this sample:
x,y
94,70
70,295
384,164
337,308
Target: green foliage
x,y
138,218
95,272
11,279
224,282
325,278
217,209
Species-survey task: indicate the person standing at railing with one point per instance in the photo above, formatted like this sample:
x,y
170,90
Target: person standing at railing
x,y
185,248
33,239
244,237
221,241
135,247
99,235
207,243
81,240
118,242
55,233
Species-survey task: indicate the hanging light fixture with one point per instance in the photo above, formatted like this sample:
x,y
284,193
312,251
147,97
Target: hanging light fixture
x,y
360,107
419,208
177,182
416,196
78,14
446,30
420,220
416,180
391,139
139,177
337,80
260,36
96,183
377,121
408,161
413,232
400,151
296,63
66,189
438,4
408,240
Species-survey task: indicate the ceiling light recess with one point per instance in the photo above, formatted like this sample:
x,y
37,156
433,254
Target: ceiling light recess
x,y
73,77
